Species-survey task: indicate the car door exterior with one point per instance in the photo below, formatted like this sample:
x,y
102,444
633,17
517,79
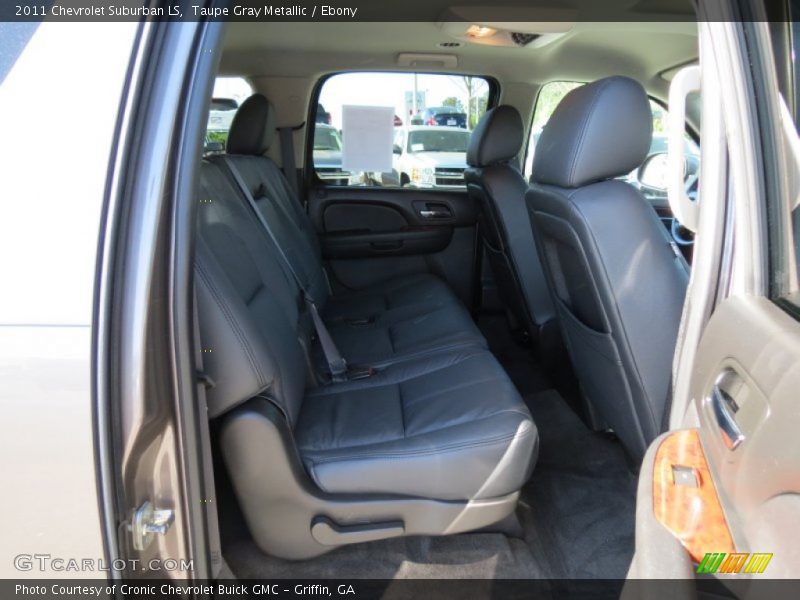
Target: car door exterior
x,y
52,207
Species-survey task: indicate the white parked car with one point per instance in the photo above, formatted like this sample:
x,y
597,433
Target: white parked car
x,y
428,156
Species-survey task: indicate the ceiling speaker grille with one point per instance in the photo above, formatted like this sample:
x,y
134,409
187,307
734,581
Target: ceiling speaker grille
x,y
523,39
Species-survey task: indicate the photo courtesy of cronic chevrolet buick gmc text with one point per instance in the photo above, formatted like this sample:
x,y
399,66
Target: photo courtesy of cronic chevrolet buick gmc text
x,y
400,300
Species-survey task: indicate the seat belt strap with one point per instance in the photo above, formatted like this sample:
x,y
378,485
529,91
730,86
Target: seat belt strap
x,y
336,362
289,167
218,564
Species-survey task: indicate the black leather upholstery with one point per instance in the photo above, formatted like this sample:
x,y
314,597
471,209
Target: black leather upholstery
x,y
598,131
616,280
439,420
253,127
449,427
406,317
497,138
496,183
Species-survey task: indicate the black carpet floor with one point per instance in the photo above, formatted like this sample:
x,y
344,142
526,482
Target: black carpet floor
x,y
577,510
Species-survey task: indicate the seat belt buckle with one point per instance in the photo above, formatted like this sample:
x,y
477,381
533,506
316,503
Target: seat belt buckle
x,y
339,371
360,372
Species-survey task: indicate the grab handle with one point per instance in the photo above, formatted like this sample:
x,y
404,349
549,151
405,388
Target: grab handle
x,y
685,82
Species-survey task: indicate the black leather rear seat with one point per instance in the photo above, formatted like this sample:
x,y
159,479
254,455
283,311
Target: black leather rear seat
x,y
405,317
436,441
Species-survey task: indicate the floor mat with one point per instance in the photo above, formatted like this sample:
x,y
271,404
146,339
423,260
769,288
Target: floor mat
x,y
578,507
468,556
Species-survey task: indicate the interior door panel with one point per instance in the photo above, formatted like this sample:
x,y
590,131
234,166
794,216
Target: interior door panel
x,y
346,216
749,357
365,243
369,235
734,491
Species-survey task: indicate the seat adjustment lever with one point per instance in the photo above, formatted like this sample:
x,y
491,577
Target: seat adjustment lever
x,y
328,533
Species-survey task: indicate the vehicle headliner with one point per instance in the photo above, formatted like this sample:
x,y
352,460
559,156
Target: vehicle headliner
x,y
642,50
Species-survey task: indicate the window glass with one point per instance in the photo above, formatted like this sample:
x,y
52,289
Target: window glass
x,y
790,290
791,287
549,96
785,220
654,177
427,119
229,93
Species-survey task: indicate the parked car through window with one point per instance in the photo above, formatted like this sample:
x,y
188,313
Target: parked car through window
x,y
430,118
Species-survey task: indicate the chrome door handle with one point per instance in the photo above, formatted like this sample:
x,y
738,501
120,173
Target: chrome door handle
x,y
435,214
724,407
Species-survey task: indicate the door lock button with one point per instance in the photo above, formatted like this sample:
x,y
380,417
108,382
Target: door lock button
x,y
685,476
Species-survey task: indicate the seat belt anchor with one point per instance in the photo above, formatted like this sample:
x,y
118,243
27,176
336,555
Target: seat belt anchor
x,y
359,372
205,379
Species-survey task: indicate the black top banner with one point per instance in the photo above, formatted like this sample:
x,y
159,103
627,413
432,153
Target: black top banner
x,y
387,10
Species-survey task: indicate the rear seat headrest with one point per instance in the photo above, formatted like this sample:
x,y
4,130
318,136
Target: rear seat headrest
x,y
497,138
253,127
598,131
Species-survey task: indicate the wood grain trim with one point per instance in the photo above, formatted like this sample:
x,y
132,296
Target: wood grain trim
x,y
693,514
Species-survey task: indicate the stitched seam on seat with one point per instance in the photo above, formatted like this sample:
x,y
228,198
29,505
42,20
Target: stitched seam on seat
x,y
229,317
344,387
359,447
402,409
405,355
252,297
453,388
440,450
390,336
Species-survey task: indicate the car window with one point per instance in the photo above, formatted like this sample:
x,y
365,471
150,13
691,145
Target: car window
x,y
15,37
396,129
784,221
655,180
552,93
229,93
549,96
436,139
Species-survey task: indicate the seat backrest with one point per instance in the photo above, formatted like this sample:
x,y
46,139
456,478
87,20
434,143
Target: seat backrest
x,y
494,181
251,135
617,281
248,305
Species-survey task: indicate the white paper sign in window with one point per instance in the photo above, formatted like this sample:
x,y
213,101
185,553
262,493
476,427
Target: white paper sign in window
x,y
367,133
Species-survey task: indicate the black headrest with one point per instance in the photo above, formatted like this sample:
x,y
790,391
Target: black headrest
x,y
598,131
497,138
253,127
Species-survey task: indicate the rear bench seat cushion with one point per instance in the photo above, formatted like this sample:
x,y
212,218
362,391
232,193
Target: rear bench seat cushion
x,y
404,333
423,289
450,427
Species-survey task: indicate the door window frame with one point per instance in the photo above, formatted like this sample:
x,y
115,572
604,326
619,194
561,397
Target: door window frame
x,y
310,178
